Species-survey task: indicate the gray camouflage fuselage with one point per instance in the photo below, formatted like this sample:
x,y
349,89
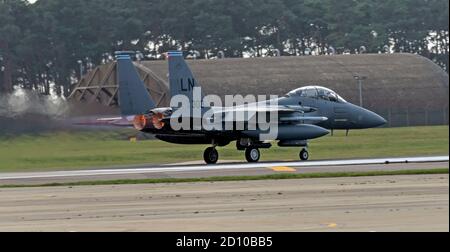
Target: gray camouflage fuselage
x,y
303,114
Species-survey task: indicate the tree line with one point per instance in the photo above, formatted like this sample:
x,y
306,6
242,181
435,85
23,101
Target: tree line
x,y
46,44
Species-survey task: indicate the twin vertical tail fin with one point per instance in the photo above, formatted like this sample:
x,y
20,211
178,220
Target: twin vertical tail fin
x,y
134,98
181,79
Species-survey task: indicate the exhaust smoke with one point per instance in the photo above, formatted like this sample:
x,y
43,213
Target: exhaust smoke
x,y
26,111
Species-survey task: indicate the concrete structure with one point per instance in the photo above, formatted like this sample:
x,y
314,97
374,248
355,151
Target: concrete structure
x,y
100,86
406,89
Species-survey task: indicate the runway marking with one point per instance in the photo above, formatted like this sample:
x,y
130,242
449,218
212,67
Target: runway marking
x,y
310,164
283,169
332,225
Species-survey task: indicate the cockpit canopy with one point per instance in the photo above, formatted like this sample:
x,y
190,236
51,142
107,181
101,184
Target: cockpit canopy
x,y
317,92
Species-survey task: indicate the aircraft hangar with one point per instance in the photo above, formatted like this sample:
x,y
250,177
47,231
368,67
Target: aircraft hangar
x,y
406,89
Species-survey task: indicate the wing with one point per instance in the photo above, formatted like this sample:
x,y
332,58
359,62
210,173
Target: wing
x,y
285,113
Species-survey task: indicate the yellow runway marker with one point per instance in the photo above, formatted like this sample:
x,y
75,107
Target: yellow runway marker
x,y
332,225
283,169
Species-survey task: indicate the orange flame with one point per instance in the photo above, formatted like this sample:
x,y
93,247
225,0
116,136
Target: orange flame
x,y
157,121
139,122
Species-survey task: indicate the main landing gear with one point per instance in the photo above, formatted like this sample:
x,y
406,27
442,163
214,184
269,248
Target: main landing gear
x,y
304,155
251,148
252,155
211,156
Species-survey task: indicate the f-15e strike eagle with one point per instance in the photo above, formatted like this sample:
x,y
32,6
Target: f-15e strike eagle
x,y
302,114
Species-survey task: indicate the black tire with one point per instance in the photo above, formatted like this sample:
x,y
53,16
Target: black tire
x,y
252,155
304,155
211,156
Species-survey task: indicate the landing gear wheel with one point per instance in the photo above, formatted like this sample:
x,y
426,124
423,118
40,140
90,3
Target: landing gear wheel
x,y
252,155
211,156
304,155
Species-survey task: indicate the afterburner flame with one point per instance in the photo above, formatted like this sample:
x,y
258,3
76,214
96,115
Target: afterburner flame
x,y
140,122
157,121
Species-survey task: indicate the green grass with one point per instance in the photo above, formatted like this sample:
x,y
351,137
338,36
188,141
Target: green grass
x,y
244,178
77,150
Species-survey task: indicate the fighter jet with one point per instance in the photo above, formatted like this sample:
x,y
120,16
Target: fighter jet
x,y
301,115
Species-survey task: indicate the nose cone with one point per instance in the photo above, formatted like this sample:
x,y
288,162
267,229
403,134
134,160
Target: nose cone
x,y
377,120
369,119
362,118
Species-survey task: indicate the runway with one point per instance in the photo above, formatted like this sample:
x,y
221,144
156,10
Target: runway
x,y
395,203
227,169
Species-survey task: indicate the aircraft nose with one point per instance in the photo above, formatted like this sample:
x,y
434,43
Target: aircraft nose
x,y
373,120
364,118
379,121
